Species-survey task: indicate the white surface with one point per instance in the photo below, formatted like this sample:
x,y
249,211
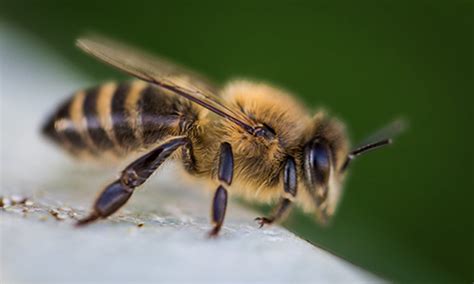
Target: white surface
x,y
171,245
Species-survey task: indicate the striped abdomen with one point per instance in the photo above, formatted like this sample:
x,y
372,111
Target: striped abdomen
x,y
119,118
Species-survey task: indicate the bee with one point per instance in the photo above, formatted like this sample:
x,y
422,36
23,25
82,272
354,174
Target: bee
x,y
248,138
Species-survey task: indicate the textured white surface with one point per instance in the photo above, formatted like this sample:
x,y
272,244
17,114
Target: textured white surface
x,y
39,243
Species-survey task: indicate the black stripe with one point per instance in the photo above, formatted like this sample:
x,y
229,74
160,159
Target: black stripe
x,y
123,131
70,133
97,134
158,114
49,130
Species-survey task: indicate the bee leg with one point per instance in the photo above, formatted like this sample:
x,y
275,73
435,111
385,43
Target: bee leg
x,y
117,193
280,213
225,174
189,161
290,184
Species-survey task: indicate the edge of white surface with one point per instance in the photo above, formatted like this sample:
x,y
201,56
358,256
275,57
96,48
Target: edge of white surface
x,y
170,247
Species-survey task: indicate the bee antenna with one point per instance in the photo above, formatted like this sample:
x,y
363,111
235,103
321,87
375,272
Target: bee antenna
x,y
364,149
381,138
372,146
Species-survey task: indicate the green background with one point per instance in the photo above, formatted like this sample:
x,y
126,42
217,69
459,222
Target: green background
x,y
407,210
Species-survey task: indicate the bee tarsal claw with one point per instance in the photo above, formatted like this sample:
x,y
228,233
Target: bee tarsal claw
x,y
263,221
214,232
87,220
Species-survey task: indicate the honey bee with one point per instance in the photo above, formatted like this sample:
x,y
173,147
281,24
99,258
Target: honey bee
x,y
247,138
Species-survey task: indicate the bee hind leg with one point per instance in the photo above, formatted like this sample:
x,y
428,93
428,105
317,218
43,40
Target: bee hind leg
x,y
225,175
115,195
290,184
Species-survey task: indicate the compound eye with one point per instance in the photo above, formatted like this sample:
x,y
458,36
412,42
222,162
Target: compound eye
x,y
320,162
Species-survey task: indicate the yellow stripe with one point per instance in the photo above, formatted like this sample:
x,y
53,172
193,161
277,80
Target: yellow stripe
x,y
104,109
134,116
78,119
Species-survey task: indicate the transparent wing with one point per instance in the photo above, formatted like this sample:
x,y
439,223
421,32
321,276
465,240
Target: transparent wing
x,y
161,72
381,138
387,133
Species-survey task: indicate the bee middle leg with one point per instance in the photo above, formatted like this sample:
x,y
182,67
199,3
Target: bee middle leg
x,y
225,175
117,193
290,183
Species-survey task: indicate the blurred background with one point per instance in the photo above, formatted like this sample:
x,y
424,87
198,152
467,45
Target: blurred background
x,y
407,210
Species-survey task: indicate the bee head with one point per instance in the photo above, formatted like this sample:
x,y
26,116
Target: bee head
x,y
323,177
326,158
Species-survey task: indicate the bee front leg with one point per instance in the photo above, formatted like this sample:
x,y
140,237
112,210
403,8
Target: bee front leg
x,y
279,213
290,183
225,175
117,193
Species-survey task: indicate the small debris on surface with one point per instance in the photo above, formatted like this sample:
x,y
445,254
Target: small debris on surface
x,y
24,205
57,214
43,218
43,211
13,200
69,212
17,200
2,202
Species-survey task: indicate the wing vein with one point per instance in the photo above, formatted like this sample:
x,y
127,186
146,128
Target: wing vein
x,y
163,73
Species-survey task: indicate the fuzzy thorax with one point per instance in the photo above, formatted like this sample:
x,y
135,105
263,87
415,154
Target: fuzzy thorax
x,y
259,160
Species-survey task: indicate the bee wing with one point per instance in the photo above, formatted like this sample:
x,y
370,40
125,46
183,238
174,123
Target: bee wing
x,y
163,73
379,139
388,132
382,137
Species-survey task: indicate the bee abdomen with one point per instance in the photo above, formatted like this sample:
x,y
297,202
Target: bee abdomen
x,y
119,118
